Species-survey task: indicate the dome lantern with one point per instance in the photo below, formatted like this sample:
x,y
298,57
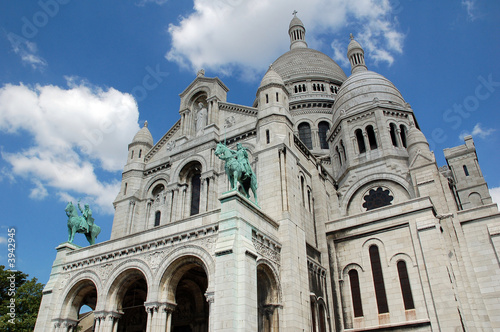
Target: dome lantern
x,y
297,33
356,56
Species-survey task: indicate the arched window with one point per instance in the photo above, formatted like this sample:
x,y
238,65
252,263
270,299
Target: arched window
x,y
125,189
296,89
393,134
323,128
402,128
305,134
313,315
304,87
277,96
378,280
371,137
157,218
466,171
404,281
195,194
267,98
132,155
355,293
314,87
322,319
361,141
140,153
268,138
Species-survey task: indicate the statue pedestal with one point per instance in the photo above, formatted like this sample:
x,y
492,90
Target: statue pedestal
x,y
235,301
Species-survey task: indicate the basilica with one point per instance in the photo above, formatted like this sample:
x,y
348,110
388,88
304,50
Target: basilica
x,y
350,225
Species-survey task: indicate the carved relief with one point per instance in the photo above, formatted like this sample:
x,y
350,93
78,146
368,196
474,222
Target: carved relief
x,y
64,281
104,271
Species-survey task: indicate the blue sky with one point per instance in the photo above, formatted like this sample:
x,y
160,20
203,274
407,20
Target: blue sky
x,y
78,79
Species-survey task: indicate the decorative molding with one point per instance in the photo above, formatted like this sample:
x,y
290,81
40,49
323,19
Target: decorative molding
x,y
150,247
316,268
163,141
266,247
237,109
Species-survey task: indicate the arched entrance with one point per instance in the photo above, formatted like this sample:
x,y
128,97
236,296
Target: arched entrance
x,y
267,300
131,297
82,294
191,313
186,282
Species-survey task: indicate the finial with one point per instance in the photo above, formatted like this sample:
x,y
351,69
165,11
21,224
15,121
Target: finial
x,y
146,123
294,13
351,36
201,73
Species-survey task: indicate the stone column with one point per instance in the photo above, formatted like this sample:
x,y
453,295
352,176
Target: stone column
x,y
210,299
131,215
203,194
152,310
168,309
315,138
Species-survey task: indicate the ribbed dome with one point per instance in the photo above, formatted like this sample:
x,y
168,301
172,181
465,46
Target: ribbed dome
x,y
305,63
364,88
353,44
271,77
144,136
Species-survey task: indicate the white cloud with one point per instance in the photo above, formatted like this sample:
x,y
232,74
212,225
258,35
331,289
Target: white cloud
x,y
237,35
39,192
477,131
27,50
495,195
76,132
470,7
141,3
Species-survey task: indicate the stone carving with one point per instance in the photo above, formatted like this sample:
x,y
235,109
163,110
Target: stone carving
x,y
154,259
64,281
238,168
104,271
81,224
170,145
201,119
266,251
229,122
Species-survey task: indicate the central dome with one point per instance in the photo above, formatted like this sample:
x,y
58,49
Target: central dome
x,y
306,63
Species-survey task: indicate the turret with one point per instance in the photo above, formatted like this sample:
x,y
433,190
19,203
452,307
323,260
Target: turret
x,y
356,56
297,33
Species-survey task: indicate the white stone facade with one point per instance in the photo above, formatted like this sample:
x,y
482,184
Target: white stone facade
x,y
356,228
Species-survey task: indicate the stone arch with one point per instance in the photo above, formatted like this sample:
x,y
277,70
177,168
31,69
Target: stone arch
x,y
182,256
153,182
397,185
83,290
268,297
194,96
475,199
181,166
402,256
184,285
122,275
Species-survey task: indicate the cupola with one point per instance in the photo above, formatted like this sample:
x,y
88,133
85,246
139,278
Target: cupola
x,y
297,33
356,56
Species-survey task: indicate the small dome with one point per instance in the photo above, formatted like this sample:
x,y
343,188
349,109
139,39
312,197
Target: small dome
x,y
353,44
144,136
363,89
295,21
271,77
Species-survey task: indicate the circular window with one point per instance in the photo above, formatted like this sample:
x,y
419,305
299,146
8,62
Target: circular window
x,y
376,198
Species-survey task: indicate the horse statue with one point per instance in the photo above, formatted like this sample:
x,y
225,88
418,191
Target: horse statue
x,y
81,224
238,169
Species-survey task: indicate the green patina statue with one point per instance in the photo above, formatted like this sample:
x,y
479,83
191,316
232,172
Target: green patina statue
x,y
81,224
238,168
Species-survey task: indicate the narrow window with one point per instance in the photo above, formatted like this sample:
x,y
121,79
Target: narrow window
x,y
157,218
404,281
302,190
355,293
371,137
277,97
322,320
267,98
309,199
140,153
132,155
343,150
361,141
466,171
322,87
314,87
403,135
305,134
268,139
378,280
304,87
125,189
300,88
323,128
195,194
296,89
313,314
393,134
338,155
